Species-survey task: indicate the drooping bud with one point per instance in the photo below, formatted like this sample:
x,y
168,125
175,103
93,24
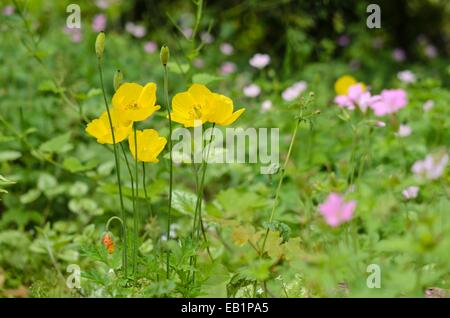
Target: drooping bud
x,y
164,55
100,44
118,78
108,242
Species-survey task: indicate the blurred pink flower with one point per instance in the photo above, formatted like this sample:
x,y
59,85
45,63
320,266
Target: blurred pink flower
x,y
8,10
226,48
266,105
399,55
150,47
138,31
406,76
356,96
206,37
74,34
336,211
227,68
410,192
103,4
404,131
99,22
187,32
260,60
389,101
428,105
432,167
252,90
198,62
380,123
293,91
343,40
431,51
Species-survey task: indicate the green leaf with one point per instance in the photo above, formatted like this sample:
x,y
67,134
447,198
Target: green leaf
x,y
50,87
58,144
46,182
205,79
9,155
184,202
72,164
176,68
30,196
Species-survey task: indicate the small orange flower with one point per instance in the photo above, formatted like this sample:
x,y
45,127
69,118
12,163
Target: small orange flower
x,y
108,243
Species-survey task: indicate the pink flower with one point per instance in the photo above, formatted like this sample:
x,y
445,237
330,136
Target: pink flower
x,y
102,4
428,105
138,31
187,32
406,76
389,101
404,131
336,211
198,63
8,10
227,68
356,97
293,91
252,90
260,60
207,37
432,167
399,55
99,22
380,124
150,47
74,34
431,51
410,192
226,48
266,105
343,40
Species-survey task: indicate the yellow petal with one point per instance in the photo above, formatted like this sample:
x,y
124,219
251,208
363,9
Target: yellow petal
x,y
222,108
200,93
182,102
233,117
148,95
127,93
149,145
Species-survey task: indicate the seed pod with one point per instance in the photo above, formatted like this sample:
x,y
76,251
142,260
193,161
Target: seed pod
x,y
100,44
164,55
118,78
108,243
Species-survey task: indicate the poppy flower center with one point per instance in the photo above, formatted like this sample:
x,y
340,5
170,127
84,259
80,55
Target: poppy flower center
x,y
196,112
132,105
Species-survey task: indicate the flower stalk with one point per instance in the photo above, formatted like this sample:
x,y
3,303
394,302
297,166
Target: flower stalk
x,y
164,56
99,49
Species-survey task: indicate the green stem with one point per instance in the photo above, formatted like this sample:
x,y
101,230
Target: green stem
x,y
136,199
147,199
116,159
166,96
283,169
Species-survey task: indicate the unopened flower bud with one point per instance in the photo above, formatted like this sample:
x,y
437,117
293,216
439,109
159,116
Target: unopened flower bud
x,y
100,44
108,242
118,78
164,55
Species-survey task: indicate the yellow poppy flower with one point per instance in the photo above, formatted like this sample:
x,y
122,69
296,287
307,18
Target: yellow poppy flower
x,y
135,102
343,83
193,107
199,105
222,113
149,145
100,128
